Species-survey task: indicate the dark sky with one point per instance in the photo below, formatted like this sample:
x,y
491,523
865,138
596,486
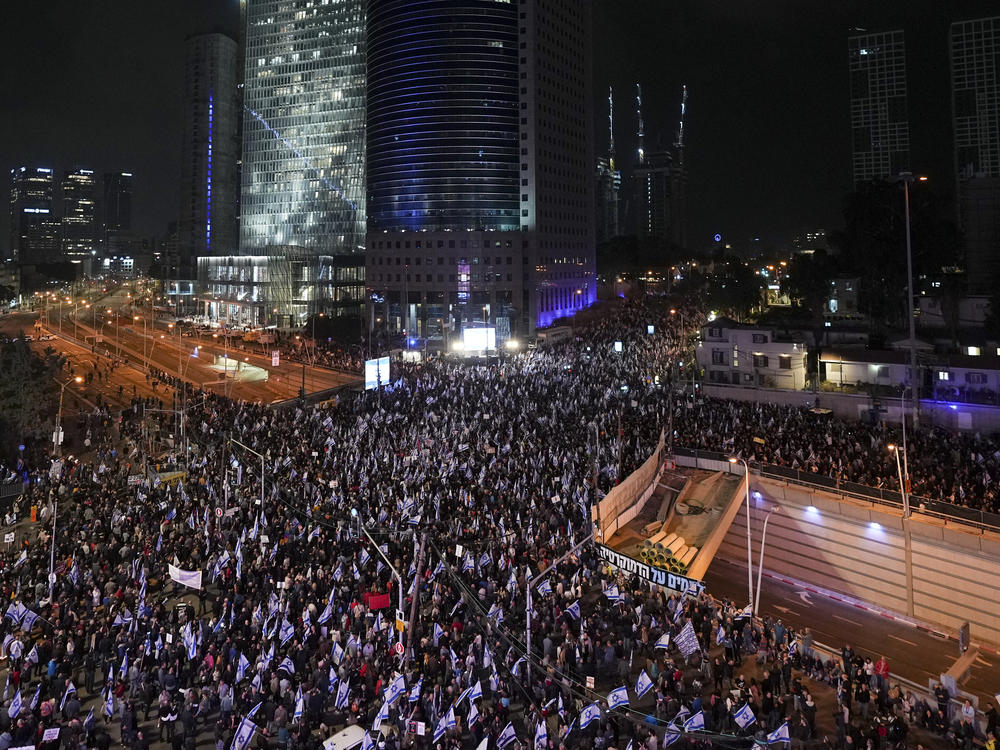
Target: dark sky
x,y
98,85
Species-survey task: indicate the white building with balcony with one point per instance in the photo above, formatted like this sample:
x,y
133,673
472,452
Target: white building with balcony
x,y
732,353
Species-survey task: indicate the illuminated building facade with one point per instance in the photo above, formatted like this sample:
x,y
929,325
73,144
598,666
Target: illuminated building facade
x,y
79,217
34,230
479,164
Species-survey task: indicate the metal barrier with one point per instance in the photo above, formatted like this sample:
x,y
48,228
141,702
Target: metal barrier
x,y
980,519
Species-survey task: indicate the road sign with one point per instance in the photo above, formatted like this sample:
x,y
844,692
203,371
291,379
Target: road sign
x,y
8,537
275,358
398,648
400,621
218,512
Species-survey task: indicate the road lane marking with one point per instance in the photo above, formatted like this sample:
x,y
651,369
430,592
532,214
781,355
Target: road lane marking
x,y
847,619
903,640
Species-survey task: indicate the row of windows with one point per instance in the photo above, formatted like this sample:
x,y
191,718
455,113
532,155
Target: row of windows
x,y
441,260
463,278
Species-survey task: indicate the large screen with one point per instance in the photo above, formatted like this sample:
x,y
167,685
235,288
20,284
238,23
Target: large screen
x,y
376,373
476,339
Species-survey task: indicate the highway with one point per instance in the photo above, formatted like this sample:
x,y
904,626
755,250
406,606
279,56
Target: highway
x,y
912,653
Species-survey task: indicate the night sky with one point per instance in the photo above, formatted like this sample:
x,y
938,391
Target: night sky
x,y
99,85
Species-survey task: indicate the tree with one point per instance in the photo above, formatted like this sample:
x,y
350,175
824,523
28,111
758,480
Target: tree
x,y
28,391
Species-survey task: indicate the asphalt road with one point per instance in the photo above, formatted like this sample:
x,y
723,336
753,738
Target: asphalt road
x,y
912,654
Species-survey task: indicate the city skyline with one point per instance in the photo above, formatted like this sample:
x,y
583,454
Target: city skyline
x,y
784,163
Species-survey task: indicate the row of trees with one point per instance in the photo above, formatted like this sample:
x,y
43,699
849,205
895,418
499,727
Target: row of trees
x,y
28,395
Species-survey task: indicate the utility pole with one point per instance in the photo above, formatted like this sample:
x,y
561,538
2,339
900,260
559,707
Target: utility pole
x,y
416,599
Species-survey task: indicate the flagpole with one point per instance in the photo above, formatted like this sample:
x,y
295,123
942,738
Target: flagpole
x,y
531,585
52,550
392,567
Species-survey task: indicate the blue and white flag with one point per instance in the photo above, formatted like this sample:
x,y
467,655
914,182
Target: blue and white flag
x,y
506,736
779,735
365,557
338,652
396,688
327,612
574,610
612,593
15,611
28,620
744,717
241,668
544,587
793,647
287,631
367,743
71,688
663,641
253,711
720,635
172,513
476,691
485,560
300,705
696,723
109,704
415,691
287,665
88,723
343,692
468,564
541,734
34,699
589,714
15,705
643,685
438,632
244,733
617,698
123,670
33,654
671,736
473,716
446,722
687,641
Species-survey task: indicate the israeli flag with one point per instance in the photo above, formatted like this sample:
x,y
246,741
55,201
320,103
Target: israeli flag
x,y
447,722
287,665
253,711
663,642
541,734
287,631
643,685
88,723
779,735
612,593
123,670
367,743
172,513
15,705
544,587
109,704
300,705
382,715
365,557
33,655
476,691
327,612
438,632
467,563
243,734
16,609
473,716
71,688
516,669
793,647
617,698
589,714
241,668
28,620
574,610
34,699
696,723
506,736
485,560
671,736
396,688
338,652
415,691
343,692
744,717
720,635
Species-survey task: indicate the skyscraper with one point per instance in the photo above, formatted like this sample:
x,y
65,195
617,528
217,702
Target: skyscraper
x,y
79,216
480,163
209,152
304,126
654,186
880,127
975,90
609,183
34,230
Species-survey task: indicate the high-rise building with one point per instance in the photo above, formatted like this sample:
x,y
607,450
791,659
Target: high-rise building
x,y
34,230
654,195
209,152
117,204
609,183
880,129
480,164
79,216
975,91
304,126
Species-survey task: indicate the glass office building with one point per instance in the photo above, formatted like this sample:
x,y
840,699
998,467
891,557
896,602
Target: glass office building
x,y
303,161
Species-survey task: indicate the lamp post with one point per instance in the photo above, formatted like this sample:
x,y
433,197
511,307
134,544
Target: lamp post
x,y
399,579
904,482
746,476
144,362
760,562
904,489
57,433
906,178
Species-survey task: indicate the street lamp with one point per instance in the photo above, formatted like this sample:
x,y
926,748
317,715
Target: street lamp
x,y
144,362
904,483
57,433
760,563
906,178
746,476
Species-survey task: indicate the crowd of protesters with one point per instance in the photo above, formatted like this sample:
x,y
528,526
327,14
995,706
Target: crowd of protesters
x,y
256,606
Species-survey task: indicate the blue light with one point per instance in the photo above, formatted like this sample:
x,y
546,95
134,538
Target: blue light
x,y
718,238
208,179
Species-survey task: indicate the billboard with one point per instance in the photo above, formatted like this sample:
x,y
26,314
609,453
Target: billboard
x,y
376,372
478,339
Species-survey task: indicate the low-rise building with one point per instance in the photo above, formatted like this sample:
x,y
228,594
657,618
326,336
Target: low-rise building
x,y
738,354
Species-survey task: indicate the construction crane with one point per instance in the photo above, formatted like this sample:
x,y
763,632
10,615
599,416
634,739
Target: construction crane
x,y
679,144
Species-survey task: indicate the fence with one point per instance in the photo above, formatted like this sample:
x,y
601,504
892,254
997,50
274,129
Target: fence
x,y
625,501
980,519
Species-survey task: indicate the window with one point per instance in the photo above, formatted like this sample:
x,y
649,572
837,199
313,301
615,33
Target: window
x,y
718,356
975,378
943,375
784,362
747,378
973,351
715,333
760,360
760,338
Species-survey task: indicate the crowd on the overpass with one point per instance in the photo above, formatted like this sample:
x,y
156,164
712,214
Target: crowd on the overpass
x,y
464,480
